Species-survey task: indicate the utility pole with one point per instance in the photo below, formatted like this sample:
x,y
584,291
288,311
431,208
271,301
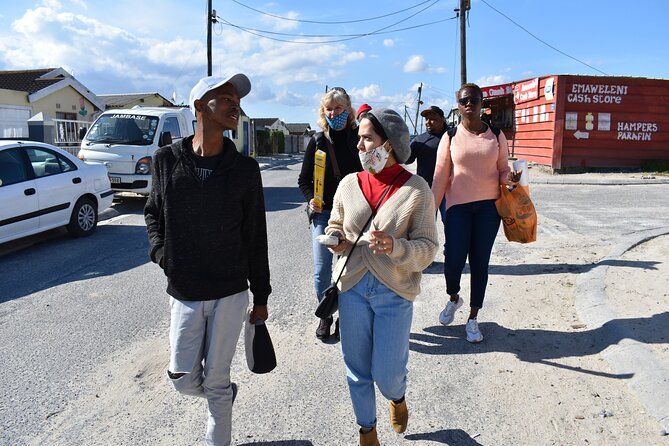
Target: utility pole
x,y
406,115
211,18
420,91
465,6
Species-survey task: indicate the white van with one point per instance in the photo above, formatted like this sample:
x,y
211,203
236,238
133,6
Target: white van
x,y
125,141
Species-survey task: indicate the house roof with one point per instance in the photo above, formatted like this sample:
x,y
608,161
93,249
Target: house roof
x,y
264,122
120,100
298,128
29,81
43,82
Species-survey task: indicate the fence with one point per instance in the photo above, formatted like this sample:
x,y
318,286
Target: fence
x,y
67,134
294,144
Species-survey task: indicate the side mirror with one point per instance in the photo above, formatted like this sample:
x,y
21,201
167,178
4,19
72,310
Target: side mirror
x,y
165,139
82,132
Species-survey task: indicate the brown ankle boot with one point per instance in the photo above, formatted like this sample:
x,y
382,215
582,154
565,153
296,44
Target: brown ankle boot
x,y
369,438
399,416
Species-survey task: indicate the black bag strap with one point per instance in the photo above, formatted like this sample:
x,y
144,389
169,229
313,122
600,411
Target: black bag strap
x,y
453,130
385,192
333,158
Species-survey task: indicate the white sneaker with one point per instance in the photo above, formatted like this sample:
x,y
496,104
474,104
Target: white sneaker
x,y
473,332
448,313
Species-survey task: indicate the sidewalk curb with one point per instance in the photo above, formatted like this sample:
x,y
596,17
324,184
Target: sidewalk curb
x,y
600,182
650,380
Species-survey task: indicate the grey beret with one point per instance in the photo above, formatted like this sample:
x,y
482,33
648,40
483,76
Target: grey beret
x,y
396,131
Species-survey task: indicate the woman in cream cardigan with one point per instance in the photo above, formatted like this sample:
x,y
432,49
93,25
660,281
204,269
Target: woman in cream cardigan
x,y
382,277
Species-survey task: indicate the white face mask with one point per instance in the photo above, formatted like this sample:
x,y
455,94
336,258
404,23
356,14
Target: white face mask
x,y
375,160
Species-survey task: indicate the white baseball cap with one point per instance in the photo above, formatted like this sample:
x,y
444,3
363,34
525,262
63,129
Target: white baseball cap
x,y
241,83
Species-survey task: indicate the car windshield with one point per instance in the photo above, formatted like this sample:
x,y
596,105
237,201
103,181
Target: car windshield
x,y
119,128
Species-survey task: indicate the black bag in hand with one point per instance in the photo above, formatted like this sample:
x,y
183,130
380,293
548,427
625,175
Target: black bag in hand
x,y
260,356
329,304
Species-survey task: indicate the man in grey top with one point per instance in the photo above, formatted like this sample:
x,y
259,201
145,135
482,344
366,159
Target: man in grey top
x,y
424,149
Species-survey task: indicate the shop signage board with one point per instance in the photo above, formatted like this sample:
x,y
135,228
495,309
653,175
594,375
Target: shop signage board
x,y
526,91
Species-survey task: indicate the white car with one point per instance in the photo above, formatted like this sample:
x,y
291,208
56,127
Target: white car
x,y
43,187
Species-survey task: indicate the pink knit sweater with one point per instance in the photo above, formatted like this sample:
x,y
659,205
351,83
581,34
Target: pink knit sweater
x,y
470,168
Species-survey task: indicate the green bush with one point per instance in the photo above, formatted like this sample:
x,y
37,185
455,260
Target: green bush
x,y
280,139
263,142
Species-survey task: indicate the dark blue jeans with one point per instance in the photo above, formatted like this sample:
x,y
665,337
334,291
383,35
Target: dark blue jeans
x,y
471,229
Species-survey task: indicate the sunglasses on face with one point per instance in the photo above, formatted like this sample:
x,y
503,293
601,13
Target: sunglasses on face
x,y
474,100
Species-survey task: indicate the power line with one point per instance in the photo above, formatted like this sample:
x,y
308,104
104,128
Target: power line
x,y
378,31
439,90
540,40
276,33
331,23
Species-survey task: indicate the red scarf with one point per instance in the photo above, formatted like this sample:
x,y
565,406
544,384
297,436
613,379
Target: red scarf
x,y
373,186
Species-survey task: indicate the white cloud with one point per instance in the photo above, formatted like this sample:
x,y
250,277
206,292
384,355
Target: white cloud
x,y
282,24
284,63
177,53
353,56
494,79
81,3
366,93
389,43
417,63
124,58
54,4
372,95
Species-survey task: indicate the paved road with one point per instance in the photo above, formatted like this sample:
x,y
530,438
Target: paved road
x,y
78,317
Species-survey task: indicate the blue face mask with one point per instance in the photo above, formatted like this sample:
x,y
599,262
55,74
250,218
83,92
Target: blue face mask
x,y
338,122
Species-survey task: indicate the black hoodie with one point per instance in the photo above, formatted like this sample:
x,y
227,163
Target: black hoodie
x,y
210,237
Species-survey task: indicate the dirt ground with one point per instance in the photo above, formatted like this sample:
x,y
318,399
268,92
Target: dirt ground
x,y
537,379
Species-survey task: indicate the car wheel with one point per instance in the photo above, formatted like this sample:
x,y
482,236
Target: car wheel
x,y
84,218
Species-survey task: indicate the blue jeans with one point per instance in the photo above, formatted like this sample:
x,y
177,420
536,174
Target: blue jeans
x,y
375,324
471,229
322,256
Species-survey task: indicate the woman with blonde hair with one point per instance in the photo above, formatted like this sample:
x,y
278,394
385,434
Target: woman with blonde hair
x,y
383,218
338,140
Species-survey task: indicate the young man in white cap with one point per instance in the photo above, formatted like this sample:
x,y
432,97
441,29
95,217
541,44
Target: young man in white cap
x,y
205,219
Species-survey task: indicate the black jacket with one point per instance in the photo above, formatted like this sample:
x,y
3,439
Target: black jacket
x,y
424,149
210,237
347,160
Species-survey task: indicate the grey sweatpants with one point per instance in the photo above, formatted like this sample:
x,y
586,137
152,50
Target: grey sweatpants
x,y
203,340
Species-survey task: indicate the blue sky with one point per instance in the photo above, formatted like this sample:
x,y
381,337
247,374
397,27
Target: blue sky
x,y
126,46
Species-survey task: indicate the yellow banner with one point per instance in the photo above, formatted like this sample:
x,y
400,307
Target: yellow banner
x,y
319,177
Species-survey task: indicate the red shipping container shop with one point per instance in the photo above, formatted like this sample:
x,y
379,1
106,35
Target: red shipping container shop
x,y
569,121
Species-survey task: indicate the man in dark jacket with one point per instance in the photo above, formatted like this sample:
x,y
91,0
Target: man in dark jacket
x,y
205,219
424,149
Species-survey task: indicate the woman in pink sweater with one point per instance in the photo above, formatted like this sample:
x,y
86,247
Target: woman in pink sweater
x,y
469,171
